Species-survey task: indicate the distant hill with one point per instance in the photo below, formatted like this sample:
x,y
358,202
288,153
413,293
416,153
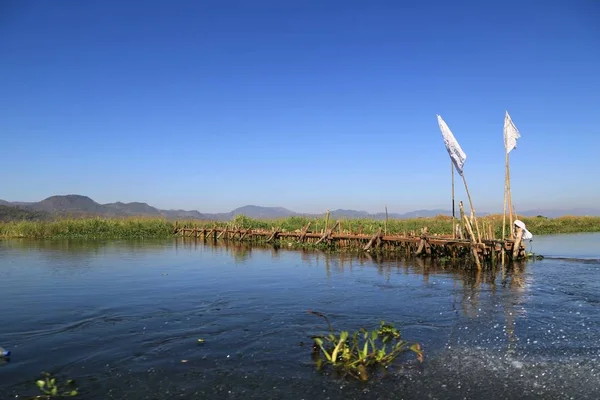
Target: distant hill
x,y
340,213
77,205
183,214
133,208
71,203
263,212
413,214
13,213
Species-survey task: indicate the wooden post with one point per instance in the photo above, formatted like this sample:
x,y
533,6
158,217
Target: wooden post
x,y
517,244
462,216
373,239
473,241
273,236
420,248
328,233
386,219
304,231
473,244
326,221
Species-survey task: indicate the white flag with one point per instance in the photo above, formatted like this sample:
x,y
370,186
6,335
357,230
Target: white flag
x,y
457,156
511,133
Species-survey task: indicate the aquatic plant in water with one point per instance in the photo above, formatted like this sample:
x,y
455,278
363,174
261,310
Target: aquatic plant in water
x,y
357,355
51,389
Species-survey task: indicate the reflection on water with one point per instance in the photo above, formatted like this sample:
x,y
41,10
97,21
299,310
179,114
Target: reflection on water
x,y
121,315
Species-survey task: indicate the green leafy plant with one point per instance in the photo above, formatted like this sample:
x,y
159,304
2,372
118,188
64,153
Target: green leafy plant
x,y
357,355
51,389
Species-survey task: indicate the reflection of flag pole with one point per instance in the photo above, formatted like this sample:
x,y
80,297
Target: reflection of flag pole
x,y
458,157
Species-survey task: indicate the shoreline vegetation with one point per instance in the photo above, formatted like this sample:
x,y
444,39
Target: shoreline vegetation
x,y
143,227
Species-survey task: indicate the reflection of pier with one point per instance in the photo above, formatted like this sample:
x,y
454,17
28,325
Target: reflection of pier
x,y
496,290
409,243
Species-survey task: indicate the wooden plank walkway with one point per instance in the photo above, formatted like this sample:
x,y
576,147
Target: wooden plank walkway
x,y
424,244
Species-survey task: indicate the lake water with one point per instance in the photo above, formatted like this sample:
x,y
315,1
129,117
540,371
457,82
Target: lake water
x,y
123,319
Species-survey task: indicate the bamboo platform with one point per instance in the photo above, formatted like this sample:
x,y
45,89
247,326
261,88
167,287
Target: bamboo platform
x,y
423,244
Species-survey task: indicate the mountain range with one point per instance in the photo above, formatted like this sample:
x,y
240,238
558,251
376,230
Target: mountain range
x,y
77,205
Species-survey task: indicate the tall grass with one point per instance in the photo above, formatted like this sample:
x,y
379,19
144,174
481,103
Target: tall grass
x,y
92,228
137,228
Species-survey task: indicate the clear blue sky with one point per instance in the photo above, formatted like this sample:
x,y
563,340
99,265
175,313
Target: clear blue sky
x,y
211,105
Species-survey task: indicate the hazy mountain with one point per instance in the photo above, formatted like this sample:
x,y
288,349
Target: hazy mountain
x,y
263,212
426,213
77,205
553,213
134,208
71,203
183,214
381,215
340,213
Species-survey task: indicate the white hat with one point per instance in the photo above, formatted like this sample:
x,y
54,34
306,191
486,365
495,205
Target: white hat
x,y
526,233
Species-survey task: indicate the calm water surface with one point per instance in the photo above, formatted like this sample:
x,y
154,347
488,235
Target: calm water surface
x,y
120,317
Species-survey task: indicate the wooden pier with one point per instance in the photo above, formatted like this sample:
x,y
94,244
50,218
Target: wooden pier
x,y
487,250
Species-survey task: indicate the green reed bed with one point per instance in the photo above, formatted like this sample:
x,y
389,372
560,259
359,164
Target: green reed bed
x,y
545,226
435,225
93,228
139,228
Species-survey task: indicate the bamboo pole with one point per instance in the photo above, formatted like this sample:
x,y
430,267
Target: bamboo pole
x,y
462,216
472,208
473,243
504,209
509,193
453,212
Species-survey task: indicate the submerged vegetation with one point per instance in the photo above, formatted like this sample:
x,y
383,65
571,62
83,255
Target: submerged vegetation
x,y
360,354
139,228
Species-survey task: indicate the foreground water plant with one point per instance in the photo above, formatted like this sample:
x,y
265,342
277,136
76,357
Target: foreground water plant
x,y
360,354
51,389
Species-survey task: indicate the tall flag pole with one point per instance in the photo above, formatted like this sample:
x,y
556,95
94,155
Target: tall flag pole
x,y
458,157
